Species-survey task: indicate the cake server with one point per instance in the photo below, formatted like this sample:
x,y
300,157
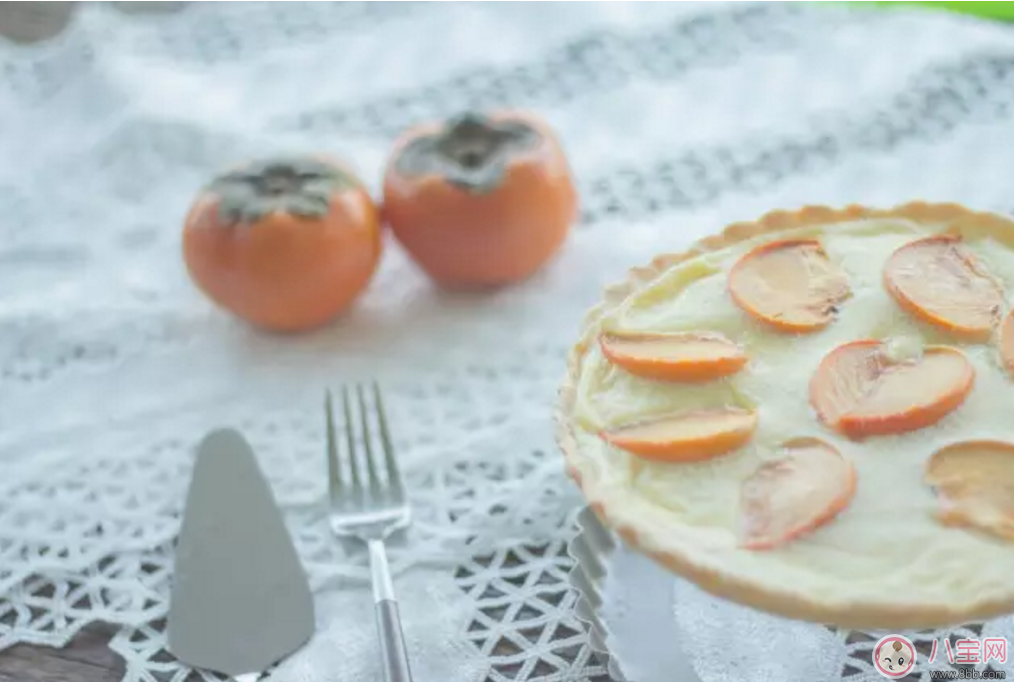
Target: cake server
x,y
240,599
596,552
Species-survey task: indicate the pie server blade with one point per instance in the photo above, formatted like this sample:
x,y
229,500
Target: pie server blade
x,y
240,599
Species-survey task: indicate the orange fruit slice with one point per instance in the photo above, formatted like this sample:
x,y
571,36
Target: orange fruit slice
x,y
859,391
795,494
1006,342
913,394
686,436
673,356
939,281
790,285
974,481
844,377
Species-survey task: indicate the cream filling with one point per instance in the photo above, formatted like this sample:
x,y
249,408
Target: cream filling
x,y
886,547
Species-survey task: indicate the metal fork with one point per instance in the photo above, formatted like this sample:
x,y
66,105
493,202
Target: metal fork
x,y
369,506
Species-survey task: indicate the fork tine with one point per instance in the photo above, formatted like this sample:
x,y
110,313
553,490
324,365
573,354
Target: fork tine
x,y
367,438
393,475
334,472
353,460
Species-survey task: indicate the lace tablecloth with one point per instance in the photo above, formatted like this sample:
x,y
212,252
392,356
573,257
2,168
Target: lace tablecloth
x,y
678,118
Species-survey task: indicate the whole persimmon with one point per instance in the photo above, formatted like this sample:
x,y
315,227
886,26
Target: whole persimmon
x,y
480,200
285,244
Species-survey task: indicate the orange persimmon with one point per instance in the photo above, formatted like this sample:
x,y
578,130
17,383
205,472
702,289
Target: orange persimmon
x,y
940,281
673,356
790,285
793,495
286,244
860,391
1006,342
685,436
973,482
480,200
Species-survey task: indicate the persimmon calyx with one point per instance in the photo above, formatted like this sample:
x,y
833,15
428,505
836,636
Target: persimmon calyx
x,y
471,151
300,187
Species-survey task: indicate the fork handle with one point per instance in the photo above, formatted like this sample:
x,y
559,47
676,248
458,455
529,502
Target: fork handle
x,y
394,656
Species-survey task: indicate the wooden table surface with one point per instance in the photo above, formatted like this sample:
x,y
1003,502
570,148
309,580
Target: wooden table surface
x,y
86,659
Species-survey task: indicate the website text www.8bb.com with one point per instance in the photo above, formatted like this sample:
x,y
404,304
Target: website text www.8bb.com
x,y
967,675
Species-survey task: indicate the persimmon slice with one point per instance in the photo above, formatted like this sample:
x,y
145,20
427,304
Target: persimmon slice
x,y
974,482
1006,342
860,391
687,436
790,285
673,356
844,378
792,495
939,281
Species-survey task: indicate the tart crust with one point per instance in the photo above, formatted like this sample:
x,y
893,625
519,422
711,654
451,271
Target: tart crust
x,y
681,558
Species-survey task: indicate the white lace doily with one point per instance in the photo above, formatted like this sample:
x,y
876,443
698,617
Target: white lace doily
x,y
678,118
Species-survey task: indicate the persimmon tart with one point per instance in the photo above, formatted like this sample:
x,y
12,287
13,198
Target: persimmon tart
x,y
810,414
